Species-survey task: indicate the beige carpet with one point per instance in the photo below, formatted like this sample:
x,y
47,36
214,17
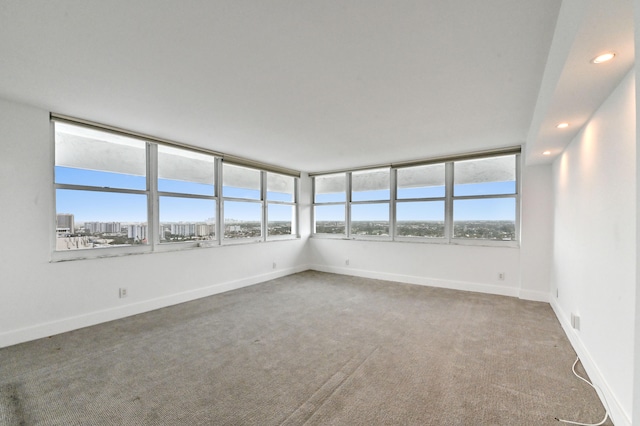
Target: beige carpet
x,y
311,348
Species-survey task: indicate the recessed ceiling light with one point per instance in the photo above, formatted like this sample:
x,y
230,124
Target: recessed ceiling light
x,y
603,58
546,153
562,125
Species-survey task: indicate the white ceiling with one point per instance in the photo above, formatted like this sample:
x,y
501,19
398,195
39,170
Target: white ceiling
x,y
573,87
313,86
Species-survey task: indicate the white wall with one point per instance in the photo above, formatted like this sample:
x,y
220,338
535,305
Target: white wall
x,y
636,337
462,267
594,248
472,268
536,234
39,298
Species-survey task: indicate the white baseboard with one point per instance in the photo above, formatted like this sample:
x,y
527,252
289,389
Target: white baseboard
x,y
618,415
535,296
38,331
425,281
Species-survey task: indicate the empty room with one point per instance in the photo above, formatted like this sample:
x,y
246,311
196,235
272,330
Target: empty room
x,y
319,212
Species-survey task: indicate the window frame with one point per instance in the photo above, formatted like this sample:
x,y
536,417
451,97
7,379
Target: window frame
x,y
448,200
515,196
157,241
389,201
260,200
344,205
153,194
295,221
433,240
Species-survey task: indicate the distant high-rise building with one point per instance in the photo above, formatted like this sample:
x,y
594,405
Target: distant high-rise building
x,y
184,229
113,227
92,227
137,232
102,227
65,223
202,230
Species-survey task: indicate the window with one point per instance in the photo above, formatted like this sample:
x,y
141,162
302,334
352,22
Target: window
x,y
370,198
281,205
123,194
101,189
242,202
484,199
420,202
466,201
186,190
330,195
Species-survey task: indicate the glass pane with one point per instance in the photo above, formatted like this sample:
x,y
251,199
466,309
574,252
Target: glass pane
x,y
94,158
370,185
486,176
187,219
280,187
240,182
242,219
184,171
370,219
281,219
330,219
420,219
487,219
330,188
93,219
421,182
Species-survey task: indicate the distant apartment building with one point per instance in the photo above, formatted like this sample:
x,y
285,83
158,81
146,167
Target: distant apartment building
x,y
65,223
102,227
138,232
191,229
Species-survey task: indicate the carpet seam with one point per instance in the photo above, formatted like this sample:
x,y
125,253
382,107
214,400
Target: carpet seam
x,y
324,399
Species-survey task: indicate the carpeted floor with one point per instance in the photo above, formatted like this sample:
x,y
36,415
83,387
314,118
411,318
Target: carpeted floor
x,y
310,348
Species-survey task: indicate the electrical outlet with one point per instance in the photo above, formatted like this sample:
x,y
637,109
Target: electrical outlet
x,y
575,321
123,292
346,262
501,276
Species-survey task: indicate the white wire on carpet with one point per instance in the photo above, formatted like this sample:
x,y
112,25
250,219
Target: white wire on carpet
x,y
606,407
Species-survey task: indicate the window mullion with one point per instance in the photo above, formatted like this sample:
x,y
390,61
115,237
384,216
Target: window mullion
x,y
99,189
313,207
518,192
153,216
448,209
480,197
347,207
220,205
295,226
393,190
265,210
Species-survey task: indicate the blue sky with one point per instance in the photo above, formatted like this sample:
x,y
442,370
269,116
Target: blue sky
x,y
93,206
483,209
107,207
